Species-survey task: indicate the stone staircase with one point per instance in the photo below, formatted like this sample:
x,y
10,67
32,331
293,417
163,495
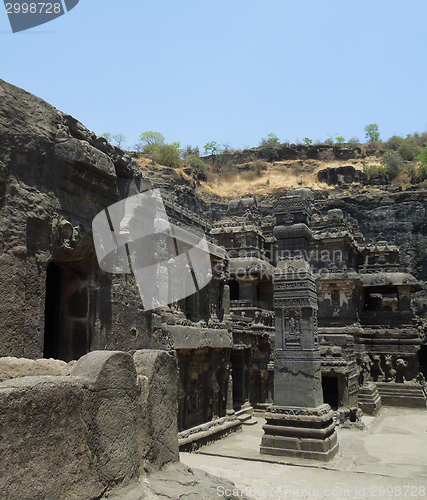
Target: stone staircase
x,y
245,414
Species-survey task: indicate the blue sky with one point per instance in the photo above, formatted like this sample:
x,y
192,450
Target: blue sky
x,y
229,71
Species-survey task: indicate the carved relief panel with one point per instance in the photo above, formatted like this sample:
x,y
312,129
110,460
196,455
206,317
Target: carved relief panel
x,y
291,328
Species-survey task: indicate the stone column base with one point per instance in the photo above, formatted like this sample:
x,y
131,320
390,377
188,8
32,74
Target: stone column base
x,y
369,399
300,432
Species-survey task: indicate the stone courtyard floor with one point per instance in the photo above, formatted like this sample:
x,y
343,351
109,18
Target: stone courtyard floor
x,y
388,459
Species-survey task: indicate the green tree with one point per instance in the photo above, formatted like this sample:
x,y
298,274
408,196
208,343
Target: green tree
x,y
307,141
421,170
153,144
372,132
408,151
392,164
422,156
269,146
272,140
212,148
198,167
394,142
407,148
340,140
168,155
107,136
151,139
177,146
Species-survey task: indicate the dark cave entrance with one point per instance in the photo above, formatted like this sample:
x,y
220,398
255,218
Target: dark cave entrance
x,y
234,289
67,329
330,391
52,311
422,358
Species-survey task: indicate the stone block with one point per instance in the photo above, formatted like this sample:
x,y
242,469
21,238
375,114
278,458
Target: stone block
x,y
408,395
297,380
369,399
300,432
110,403
157,407
11,367
75,437
46,441
191,337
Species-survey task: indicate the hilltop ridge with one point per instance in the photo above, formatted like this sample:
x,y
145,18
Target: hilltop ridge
x,y
246,173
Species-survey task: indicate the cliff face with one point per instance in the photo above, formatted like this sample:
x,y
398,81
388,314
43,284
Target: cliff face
x,y
55,176
399,217
387,213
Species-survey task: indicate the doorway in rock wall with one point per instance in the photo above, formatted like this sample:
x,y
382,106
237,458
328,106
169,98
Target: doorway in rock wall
x,y
330,391
52,311
422,358
67,329
234,289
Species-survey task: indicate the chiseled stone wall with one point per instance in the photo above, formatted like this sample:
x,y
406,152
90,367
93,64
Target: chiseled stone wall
x,y
55,176
74,437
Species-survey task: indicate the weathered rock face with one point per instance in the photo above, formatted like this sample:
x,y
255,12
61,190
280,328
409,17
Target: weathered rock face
x,y
76,436
157,373
398,217
295,152
55,176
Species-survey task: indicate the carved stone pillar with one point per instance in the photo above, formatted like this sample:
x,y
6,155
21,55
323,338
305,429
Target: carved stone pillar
x,y
226,302
298,424
297,377
229,405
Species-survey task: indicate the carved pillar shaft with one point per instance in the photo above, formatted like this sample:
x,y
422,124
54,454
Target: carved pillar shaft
x,y
229,405
298,423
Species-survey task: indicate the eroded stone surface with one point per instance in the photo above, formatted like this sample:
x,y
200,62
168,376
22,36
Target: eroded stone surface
x,y
11,367
76,436
175,482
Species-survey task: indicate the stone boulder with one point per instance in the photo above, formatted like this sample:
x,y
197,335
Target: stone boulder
x,y
341,175
78,436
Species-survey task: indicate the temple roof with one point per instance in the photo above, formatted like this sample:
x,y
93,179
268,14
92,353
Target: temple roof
x,y
389,279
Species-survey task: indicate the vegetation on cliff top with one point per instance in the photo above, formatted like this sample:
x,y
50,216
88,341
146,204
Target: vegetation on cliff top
x,y
225,172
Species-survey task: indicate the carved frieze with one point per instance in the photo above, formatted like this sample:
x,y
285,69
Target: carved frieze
x,y
300,412
287,205
300,302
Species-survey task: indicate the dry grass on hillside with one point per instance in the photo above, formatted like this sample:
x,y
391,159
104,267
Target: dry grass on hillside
x,y
279,175
147,164
276,176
